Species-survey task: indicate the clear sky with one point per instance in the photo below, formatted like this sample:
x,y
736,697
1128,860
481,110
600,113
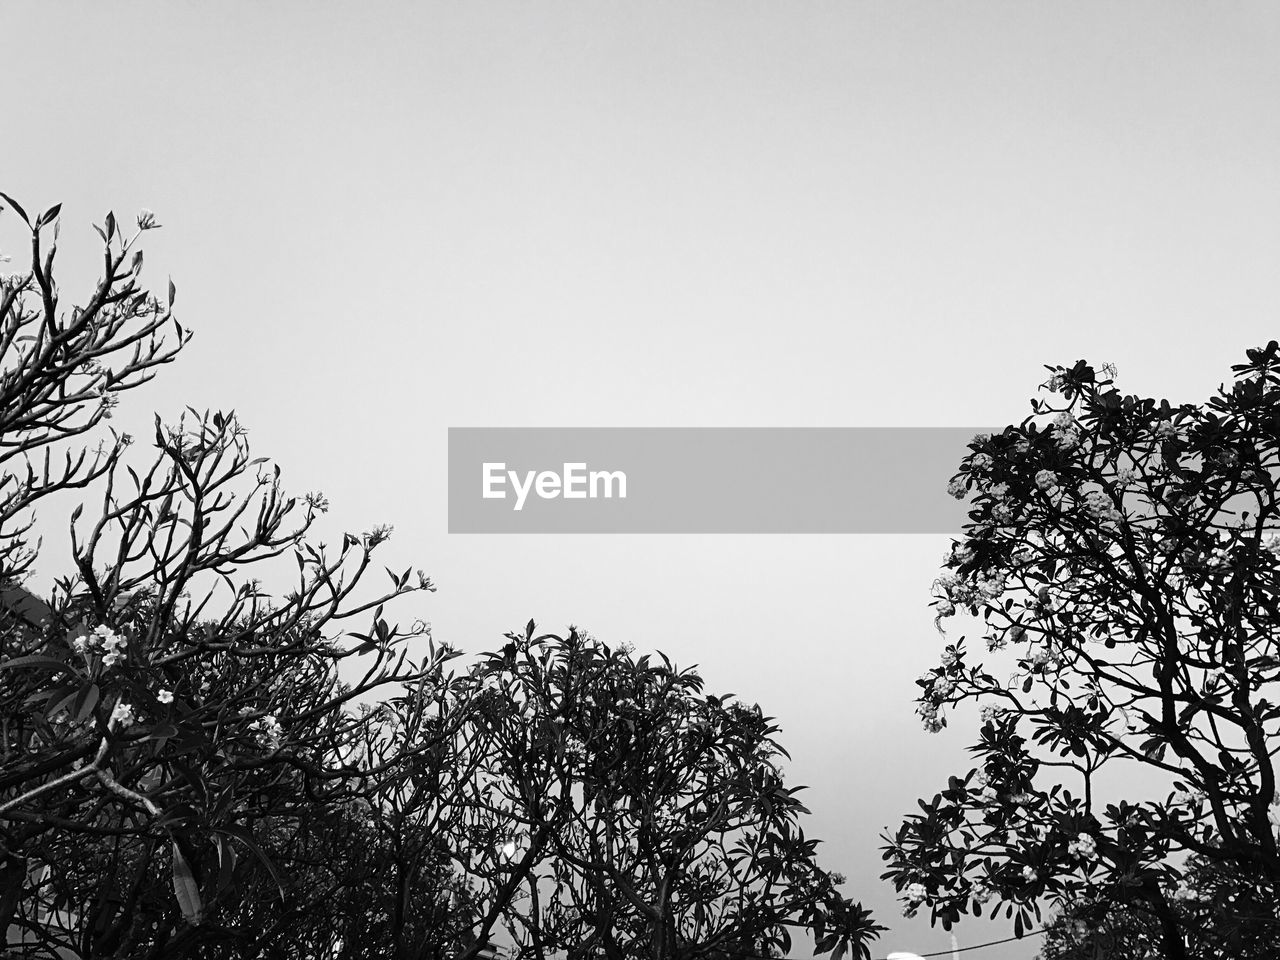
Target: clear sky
x,y
388,218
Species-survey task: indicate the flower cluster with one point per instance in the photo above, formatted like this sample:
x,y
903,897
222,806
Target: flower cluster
x,y
269,731
1067,431
929,716
102,640
1047,481
1099,506
1084,847
952,590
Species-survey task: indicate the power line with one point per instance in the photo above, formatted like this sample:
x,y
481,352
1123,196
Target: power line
x,y
979,946
940,953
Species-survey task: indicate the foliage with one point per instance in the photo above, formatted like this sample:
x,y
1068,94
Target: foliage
x,y
196,765
165,721
1221,919
639,815
1121,559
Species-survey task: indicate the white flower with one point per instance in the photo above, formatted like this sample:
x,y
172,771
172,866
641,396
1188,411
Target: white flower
x,y
511,850
147,220
164,696
916,892
1047,480
1165,430
269,731
1084,847
122,714
1099,506
1029,874
956,488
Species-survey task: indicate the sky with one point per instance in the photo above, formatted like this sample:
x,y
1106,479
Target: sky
x,y
391,218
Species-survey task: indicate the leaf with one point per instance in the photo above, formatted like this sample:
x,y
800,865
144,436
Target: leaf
x,y
184,886
17,208
173,292
49,215
245,837
87,700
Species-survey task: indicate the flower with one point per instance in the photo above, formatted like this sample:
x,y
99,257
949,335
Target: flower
x,y
268,730
1271,544
1047,481
1029,874
1067,430
164,696
956,488
122,714
1084,846
929,717
147,220
1165,430
1099,506
916,892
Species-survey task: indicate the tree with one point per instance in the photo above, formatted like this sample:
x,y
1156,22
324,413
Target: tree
x,y
626,813
197,765
168,726
1222,919
1121,559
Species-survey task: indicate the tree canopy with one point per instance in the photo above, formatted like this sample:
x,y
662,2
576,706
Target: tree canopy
x,y
1120,577
217,744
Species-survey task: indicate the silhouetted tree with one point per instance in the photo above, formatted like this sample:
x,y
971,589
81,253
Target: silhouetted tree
x,y
1121,560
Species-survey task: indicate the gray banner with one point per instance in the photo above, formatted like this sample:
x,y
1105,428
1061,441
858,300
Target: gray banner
x,y
705,480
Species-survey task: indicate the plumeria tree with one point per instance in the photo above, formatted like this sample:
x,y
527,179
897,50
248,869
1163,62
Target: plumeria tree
x,y
635,815
1221,917
1120,578
165,718
197,764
